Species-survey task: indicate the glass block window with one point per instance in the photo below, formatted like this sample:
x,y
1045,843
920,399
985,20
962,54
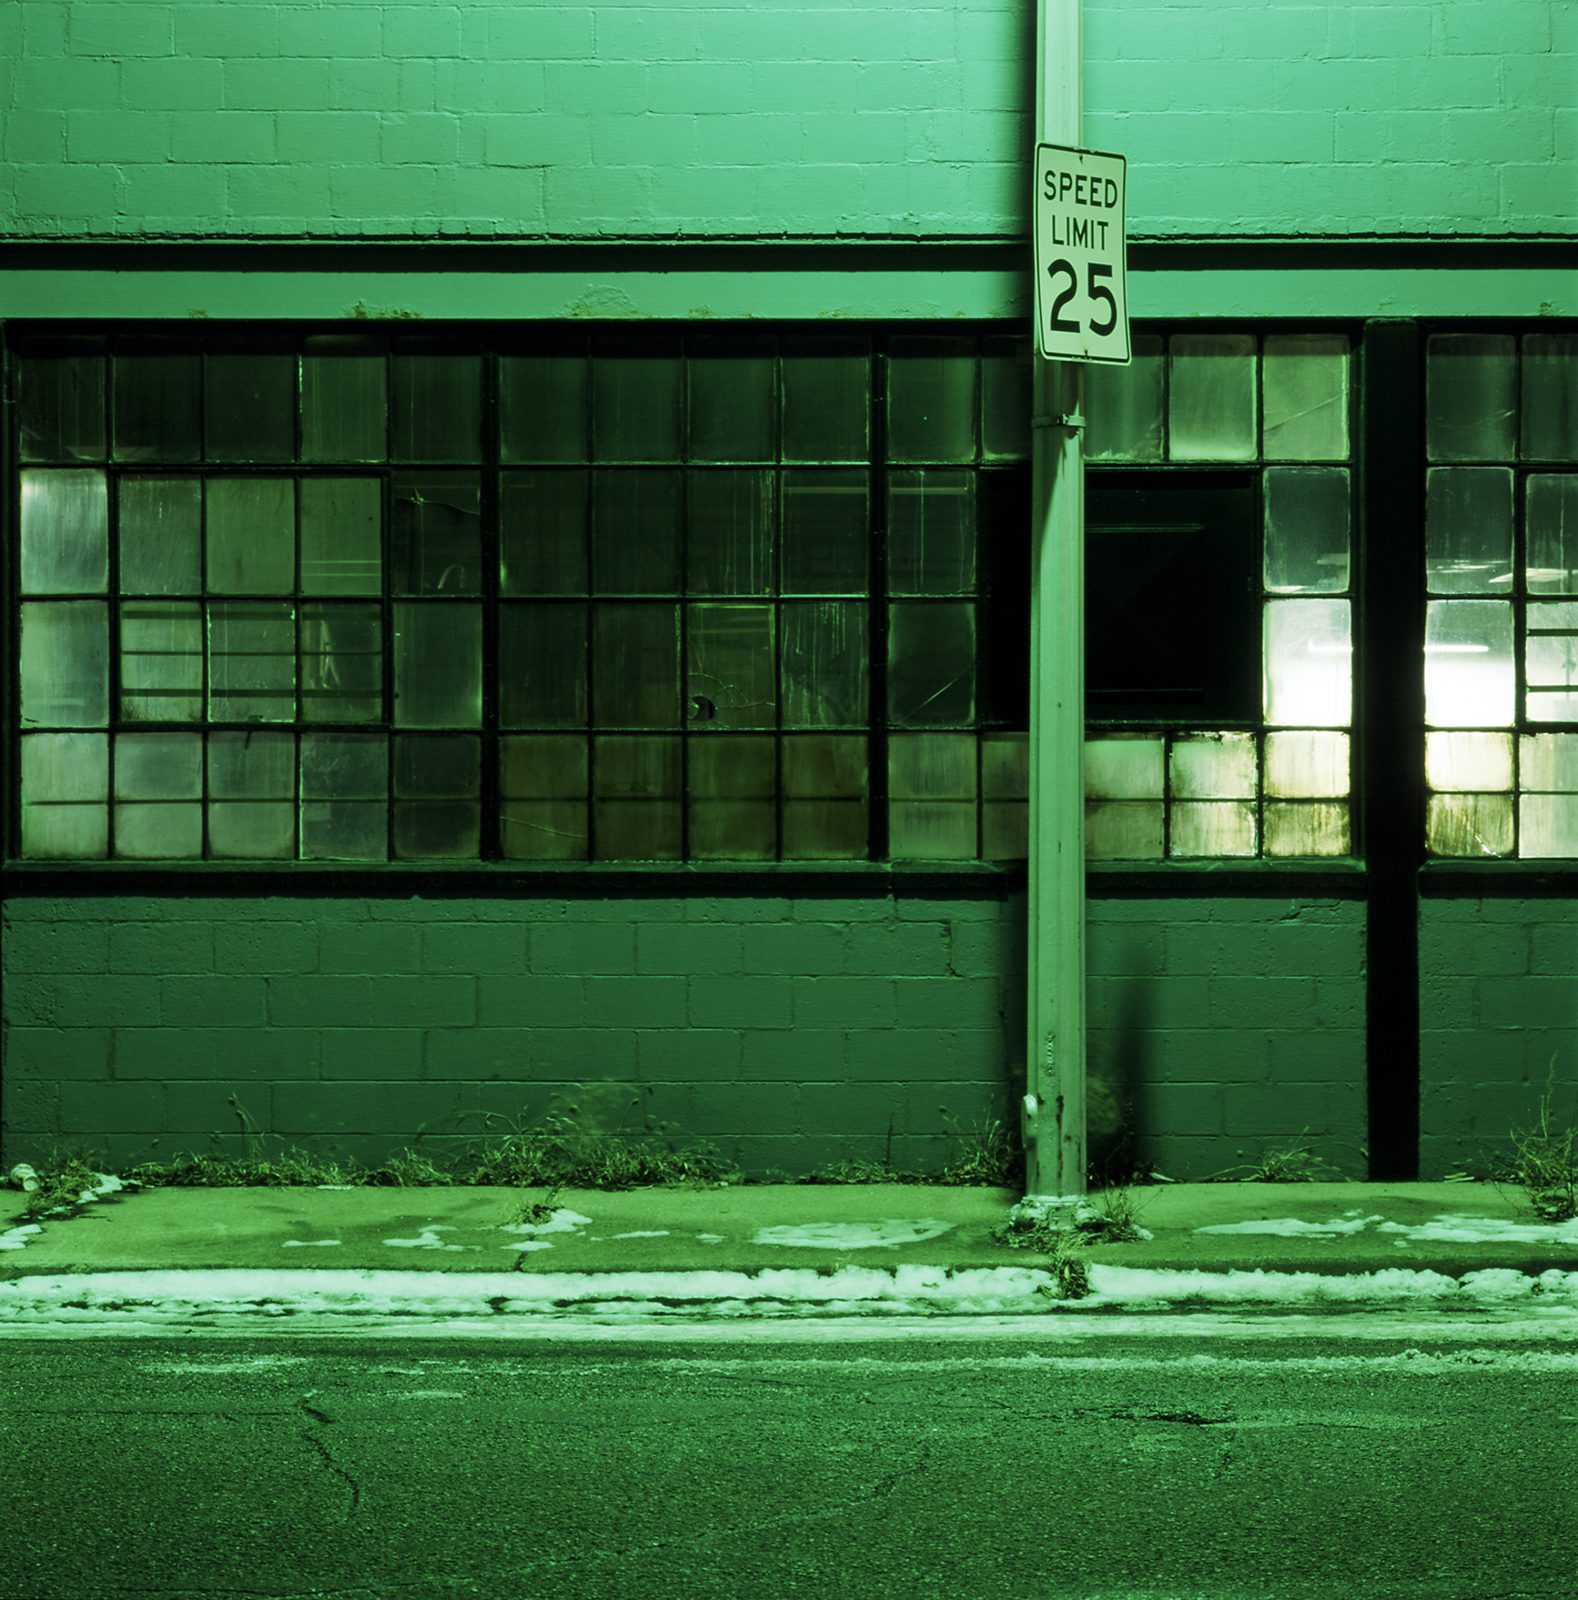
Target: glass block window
x,y
1197,427
1501,572
650,594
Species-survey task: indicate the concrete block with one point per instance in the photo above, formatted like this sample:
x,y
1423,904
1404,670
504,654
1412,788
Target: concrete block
x,y
576,949
56,947
690,1055
479,948
809,1055
740,1003
431,1001
560,33
398,1108
899,950
49,193
846,1108
484,1054
1261,1002
637,1002
981,949
186,947
928,1003
1553,949
840,910
91,1108
720,1110
844,1002
304,136
371,947
265,948
29,1110
225,29
315,1001
689,949
932,1055
1283,1111
1175,1108
534,1001
740,908
1543,1002
53,1054
959,1108
1340,1003
205,1052
223,136
119,31
1318,1055
421,137
379,1052
81,1000
430,30
592,1055
213,1002
792,949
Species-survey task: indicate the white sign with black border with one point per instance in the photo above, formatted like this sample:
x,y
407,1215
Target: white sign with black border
x,y
1082,302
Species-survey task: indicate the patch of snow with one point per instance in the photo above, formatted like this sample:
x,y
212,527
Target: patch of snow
x,y
1292,1228
852,1235
636,1233
528,1244
428,1239
344,1188
305,1244
1485,1230
563,1220
16,1238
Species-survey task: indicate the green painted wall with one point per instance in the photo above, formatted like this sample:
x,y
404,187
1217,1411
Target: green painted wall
x,y
348,118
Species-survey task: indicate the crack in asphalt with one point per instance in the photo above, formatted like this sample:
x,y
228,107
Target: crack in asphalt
x,y
311,1435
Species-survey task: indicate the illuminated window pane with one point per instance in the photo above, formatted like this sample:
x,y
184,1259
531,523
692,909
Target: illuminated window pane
x,y
437,664
1308,663
1211,411
638,400
1123,830
636,805
251,536
161,661
1548,825
1550,397
1469,824
1217,766
1123,406
1548,761
1468,530
1465,762
158,787
543,788
1305,400
344,400
161,523
1005,399
931,532
1320,829
1123,769
342,671
1306,529
341,547
344,796
543,407
437,781
252,787
1552,527
65,786
1468,664
1471,404
732,402
1312,765
1213,828
931,400
729,532
1551,705
1550,647
251,662
65,664
826,398
824,670
65,532
729,666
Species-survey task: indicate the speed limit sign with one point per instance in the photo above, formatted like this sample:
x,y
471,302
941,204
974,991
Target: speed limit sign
x,y
1082,308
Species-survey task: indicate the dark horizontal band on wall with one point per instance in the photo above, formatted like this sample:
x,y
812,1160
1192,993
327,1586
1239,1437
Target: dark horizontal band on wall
x,y
1498,880
1206,880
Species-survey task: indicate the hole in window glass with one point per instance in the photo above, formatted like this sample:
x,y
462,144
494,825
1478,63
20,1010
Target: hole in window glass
x,y
729,667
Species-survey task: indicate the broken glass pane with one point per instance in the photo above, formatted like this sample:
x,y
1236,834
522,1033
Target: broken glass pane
x,y
1123,768
1213,766
635,665
65,784
161,661
65,664
437,664
1005,399
1213,828
1468,664
436,546
931,663
1552,527
1550,397
931,400
1548,825
1308,663
344,400
729,666
826,533
931,532
437,409
1123,830
1469,825
1468,761
542,532
825,675
155,390
65,528
251,662
1313,765
638,399
1307,519
1307,830
341,547
1123,406
1305,397
251,535
60,403
437,782
543,407
1548,761
249,407
1212,404
1468,530
342,662
1471,402
729,532
732,411
160,535
827,401
344,796
542,666
637,520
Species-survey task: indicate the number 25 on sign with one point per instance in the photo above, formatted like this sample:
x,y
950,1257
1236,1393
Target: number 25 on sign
x,y
1082,309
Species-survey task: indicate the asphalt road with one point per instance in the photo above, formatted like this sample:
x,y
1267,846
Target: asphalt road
x,y
1168,1458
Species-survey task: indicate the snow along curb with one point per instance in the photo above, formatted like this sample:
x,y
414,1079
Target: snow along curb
x,y
100,1298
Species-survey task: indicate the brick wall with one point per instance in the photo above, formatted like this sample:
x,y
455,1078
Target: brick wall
x,y
1499,1005
350,117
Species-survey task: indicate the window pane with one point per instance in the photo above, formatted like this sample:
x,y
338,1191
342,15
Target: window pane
x,y
1307,764
160,535
65,783
931,664
159,831
543,785
637,400
1212,405
1005,766
344,796
1213,828
1308,663
251,535
1468,530
155,403
1005,399
636,812
826,533
731,400
1471,404
1305,400
825,671
1469,825
252,830
252,786
1552,527
635,665
1468,664
827,402
1550,397
162,661
931,400
931,532
249,407
1548,825
1123,768
542,407
437,783
729,532
1469,761
542,666
158,766
636,518
1550,660
437,410
436,546
1123,830
542,532
729,667
342,662
932,796
344,400
437,664
1213,766
1307,520
824,811
65,532
1307,830
341,548
60,404
732,782
1123,406
1547,761
65,665
251,662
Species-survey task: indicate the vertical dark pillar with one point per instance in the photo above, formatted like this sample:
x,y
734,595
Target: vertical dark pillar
x,y
1391,747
